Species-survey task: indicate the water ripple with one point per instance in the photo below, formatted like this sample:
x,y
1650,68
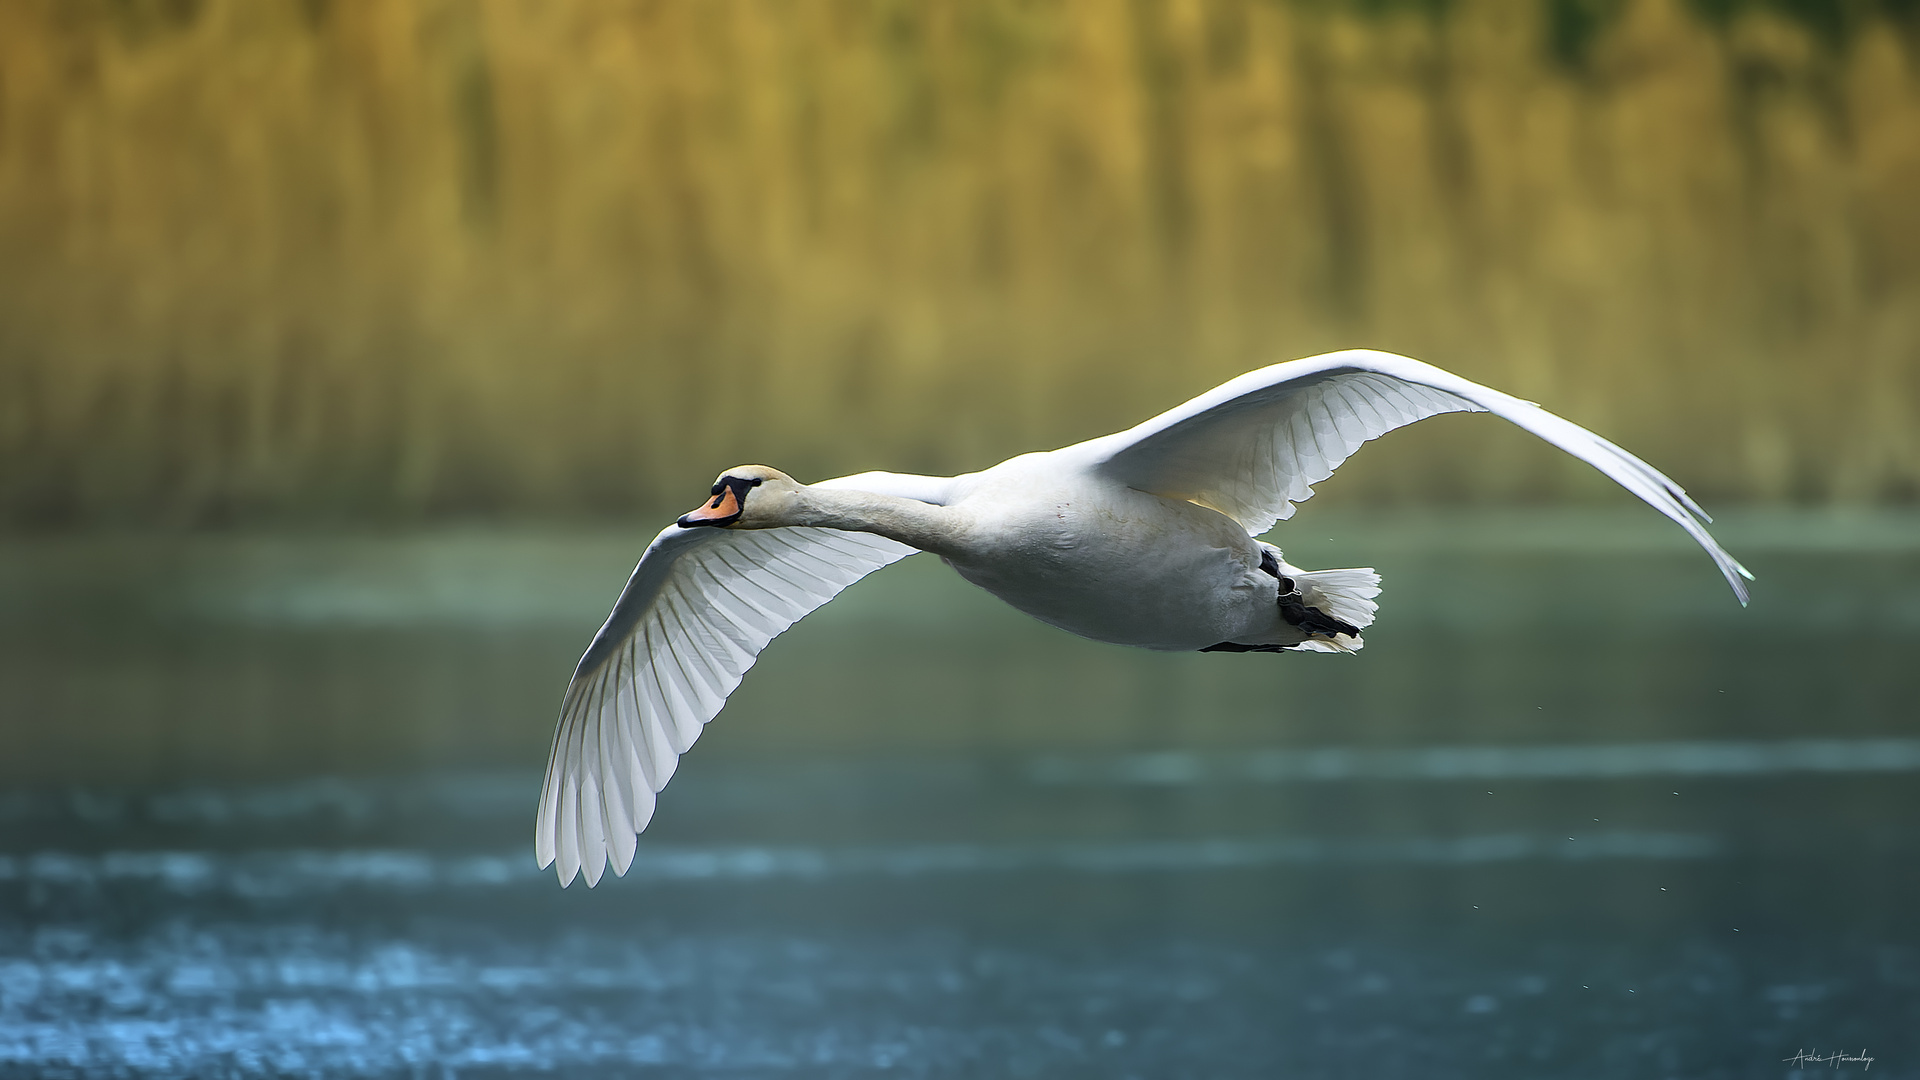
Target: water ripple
x,y
292,873
1596,762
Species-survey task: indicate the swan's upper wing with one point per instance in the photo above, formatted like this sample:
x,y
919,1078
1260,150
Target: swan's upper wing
x,y
1253,447
694,616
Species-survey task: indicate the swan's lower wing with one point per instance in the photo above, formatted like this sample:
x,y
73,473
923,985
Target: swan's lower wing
x,y
1254,447
694,616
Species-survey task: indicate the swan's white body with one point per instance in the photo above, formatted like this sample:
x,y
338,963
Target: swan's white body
x,y
1095,557
1145,538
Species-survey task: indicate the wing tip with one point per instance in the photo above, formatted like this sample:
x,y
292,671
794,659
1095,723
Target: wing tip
x,y
1737,575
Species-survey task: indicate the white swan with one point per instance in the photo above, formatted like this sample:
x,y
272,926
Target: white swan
x,y
1145,537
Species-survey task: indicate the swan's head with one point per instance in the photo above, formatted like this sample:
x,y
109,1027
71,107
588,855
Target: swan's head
x,y
747,497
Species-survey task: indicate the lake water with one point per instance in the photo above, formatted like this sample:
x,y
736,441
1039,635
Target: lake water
x,y
267,810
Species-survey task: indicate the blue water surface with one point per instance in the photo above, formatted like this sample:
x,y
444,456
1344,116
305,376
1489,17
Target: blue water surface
x,y
1573,813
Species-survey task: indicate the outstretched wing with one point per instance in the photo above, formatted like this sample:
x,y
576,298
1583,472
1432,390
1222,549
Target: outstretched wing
x,y
1254,447
694,616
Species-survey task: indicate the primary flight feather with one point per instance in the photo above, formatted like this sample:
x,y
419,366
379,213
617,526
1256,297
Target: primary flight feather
x,y
1146,537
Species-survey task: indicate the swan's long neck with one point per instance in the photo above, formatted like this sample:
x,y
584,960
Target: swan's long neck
x,y
923,525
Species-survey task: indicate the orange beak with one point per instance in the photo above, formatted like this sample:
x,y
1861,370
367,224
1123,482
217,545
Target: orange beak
x,y
719,510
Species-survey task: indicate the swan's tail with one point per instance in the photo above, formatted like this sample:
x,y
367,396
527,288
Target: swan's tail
x,y
1346,595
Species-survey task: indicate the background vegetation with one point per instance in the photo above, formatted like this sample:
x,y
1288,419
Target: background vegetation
x,y
273,260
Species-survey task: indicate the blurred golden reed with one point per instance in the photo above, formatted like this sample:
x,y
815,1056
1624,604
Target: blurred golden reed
x,y
264,260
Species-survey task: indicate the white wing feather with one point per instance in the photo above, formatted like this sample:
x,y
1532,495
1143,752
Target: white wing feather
x,y
694,616
1253,447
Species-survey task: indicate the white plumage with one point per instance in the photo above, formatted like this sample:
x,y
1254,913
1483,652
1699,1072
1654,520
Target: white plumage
x,y
1144,537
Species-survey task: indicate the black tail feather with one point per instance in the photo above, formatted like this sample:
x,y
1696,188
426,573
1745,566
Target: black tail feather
x,y
1311,619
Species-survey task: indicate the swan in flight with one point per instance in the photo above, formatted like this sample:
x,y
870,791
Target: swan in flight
x,y
1146,537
